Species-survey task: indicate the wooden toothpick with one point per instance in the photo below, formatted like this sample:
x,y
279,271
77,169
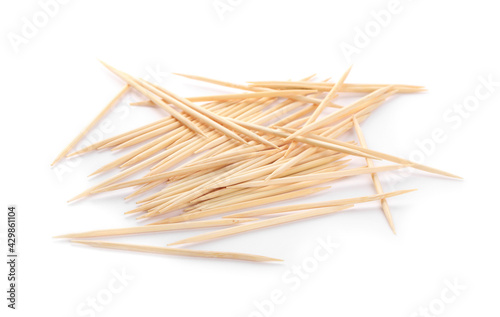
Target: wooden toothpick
x,y
262,224
90,125
158,101
153,229
331,175
375,178
176,251
345,201
260,94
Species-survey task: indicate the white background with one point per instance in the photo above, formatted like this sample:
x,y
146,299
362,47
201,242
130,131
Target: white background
x,y
53,85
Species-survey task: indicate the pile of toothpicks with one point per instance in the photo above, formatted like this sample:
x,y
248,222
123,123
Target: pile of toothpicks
x,y
225,157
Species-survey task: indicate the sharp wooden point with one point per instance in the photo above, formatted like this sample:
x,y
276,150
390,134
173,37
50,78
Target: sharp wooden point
x,y
183,75
64,236
83,242
84,194
176,243
176,251
391,224
94,173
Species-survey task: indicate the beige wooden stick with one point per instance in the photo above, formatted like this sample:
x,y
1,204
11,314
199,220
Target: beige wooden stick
x,y
345,201
301,156
147,149
172,192
262,224
321,163
170,124
201,179
243,195
193,188
177,100
91,125
231,153
291,118
381,155
150,150
289,93
318,164
358,88
154,196
211,175
286,166
158,101
251,203
329,97
331,175
186,150
309,141
220,82
338,114
331,94
153,229
375,178
181,171
244,178
174,127
179,202
176,251
124,136
245,87
260,94
197,112
126,173
147,103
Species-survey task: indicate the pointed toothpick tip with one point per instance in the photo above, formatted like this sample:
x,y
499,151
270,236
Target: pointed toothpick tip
x,y
94,173
275,260
81,241
393,230
64,236
174,243
180,74
84,194
102,62
409,190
